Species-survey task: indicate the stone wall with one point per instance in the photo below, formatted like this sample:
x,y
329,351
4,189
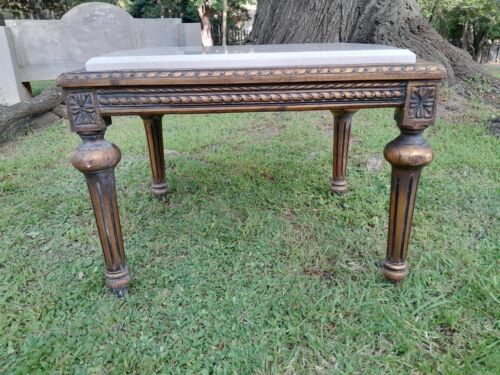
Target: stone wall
x,y
33,50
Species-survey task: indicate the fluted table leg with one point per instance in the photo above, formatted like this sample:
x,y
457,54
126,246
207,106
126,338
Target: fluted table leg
x,y
408,154
96,158
154,136
341,138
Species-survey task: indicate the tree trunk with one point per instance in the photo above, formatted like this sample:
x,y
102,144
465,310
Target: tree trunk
x,y
170,8
464,40
442,25
433,10
392,22
162,8
224,23
480,40
206,27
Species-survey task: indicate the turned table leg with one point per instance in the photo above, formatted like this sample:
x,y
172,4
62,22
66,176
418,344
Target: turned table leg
x,y
96,158
341,137
154,135
408,154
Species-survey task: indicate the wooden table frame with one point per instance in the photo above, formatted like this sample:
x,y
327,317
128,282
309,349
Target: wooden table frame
x,y
93,97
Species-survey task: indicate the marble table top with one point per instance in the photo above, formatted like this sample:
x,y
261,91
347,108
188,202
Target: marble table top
x,y
251,56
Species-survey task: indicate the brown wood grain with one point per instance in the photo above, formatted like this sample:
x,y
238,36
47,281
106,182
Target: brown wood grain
x,y
420,70
154,137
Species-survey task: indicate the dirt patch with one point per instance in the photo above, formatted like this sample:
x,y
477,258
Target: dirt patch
x,y
267,130
318,272
324,273
446,330
268,176
171,153
288,215
375,163
452,107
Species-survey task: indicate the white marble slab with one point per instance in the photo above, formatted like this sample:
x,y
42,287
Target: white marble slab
x,y
250,56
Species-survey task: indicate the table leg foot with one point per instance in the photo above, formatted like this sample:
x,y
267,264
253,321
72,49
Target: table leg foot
x,y
394,271
118,280
339,187
160,189
341,137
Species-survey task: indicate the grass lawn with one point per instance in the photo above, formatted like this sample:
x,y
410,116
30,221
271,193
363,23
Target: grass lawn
x,y
251,266
38,86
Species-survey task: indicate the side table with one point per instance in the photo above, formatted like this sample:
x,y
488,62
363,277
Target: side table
x,y
342,78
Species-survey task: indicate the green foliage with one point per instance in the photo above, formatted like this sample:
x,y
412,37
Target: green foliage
x,y
480,85
184,9
217,4
495,71
251,266
26,7
144,9
59,7
187,9
450,17
38,86
434,8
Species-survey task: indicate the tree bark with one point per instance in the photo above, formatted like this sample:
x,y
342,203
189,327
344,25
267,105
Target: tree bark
x,y
392,22
206,27
480,40
44,102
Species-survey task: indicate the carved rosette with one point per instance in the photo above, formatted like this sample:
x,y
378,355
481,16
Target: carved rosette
x,y
83,113
420,106
422,102
82,108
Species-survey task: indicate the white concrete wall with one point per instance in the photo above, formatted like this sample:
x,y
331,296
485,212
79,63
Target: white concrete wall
x,y
11,89
41,50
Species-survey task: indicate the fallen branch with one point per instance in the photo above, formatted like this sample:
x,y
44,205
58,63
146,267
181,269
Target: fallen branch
x,y
44,102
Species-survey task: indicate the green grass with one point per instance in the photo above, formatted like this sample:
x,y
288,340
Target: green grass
x,y
251,266
494,69
38,86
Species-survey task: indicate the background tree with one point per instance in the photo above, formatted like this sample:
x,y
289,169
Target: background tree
x,y
184,9
224,23
468,24
33,8
393,22
212,11
207,12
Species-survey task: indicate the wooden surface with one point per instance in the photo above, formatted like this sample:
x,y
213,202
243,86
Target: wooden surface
x,y
422,70
93,97
154,137
341,138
